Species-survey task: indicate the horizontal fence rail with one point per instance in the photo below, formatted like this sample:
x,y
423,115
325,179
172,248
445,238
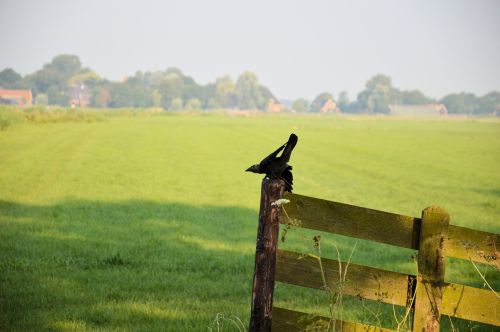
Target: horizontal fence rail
x,y
364,281
353,221
388,287
389,228
294,321
478,246
425,294
470,303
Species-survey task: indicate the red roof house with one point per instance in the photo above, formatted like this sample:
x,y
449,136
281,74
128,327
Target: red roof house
x,y
330,106
273,107
80,95
16,97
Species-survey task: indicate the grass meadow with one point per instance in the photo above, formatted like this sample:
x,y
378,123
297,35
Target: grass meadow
x,y
148,222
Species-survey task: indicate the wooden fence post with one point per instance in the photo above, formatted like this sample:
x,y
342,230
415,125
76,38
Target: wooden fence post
x,y
431,264
265,255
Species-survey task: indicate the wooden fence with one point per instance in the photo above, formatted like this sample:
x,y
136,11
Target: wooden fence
x,y
426,294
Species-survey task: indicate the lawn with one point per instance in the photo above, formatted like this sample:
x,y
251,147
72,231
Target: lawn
x,y
148,223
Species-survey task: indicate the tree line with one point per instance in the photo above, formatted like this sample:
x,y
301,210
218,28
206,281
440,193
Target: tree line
x,y
171,89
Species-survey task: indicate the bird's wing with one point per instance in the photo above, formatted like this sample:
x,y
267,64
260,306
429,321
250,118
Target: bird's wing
x,y
292,141
287,176
266,161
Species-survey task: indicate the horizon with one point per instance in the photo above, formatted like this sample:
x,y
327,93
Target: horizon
x,y
296,56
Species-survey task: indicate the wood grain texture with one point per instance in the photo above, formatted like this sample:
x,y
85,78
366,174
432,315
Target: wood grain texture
x,y
480,305
285,320
431,235
466,243
430,277
353,221
362,281
265,256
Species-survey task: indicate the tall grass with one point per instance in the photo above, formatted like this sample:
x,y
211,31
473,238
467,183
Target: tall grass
x,y
12,115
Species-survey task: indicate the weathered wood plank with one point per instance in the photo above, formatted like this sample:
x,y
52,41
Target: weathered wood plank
x,y
265,256
362,281
354,221
459,301
466,243
430,277
471,303
294,321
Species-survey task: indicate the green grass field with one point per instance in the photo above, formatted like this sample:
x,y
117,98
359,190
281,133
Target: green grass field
x,y
148,223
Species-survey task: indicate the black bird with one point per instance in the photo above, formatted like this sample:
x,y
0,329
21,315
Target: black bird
x,y
277,167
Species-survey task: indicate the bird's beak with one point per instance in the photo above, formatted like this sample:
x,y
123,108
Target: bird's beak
x,y
252,169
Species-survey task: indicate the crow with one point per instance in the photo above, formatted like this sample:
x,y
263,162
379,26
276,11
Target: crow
x,y
277,167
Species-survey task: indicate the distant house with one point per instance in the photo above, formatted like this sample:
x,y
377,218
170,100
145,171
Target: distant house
x,y
80,95
273,107
433,109
330,106
16,97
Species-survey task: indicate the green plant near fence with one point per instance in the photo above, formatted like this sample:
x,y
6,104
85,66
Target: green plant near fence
x,y
425,296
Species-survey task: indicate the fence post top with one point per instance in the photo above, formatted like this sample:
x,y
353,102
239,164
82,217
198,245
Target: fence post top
x,y
434,209
270,181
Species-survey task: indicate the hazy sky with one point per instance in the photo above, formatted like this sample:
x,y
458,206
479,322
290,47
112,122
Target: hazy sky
x,y
297,48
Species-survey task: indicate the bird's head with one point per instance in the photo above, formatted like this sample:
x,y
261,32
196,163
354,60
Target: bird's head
x,y
253,168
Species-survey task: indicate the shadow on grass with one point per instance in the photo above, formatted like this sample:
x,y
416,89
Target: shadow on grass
x,y
493,191
133,265
137,265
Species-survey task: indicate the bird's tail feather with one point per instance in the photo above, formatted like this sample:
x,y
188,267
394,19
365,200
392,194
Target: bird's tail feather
x,y
292,141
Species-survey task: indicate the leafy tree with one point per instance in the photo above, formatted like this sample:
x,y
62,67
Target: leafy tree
x,y
225,92
320,101
379,79
300,105
266,96
153,79
88,77
130,94
191,89
9,79
412,97
489,103
41,99
142,97
362,99
156,98
144,89
66,65
57,96
343,101
378,94
212,104
354,107
171,87
42,80
461,103
176,104
53,78
248,92
121,95
380,98
206,92
193,104
174,70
